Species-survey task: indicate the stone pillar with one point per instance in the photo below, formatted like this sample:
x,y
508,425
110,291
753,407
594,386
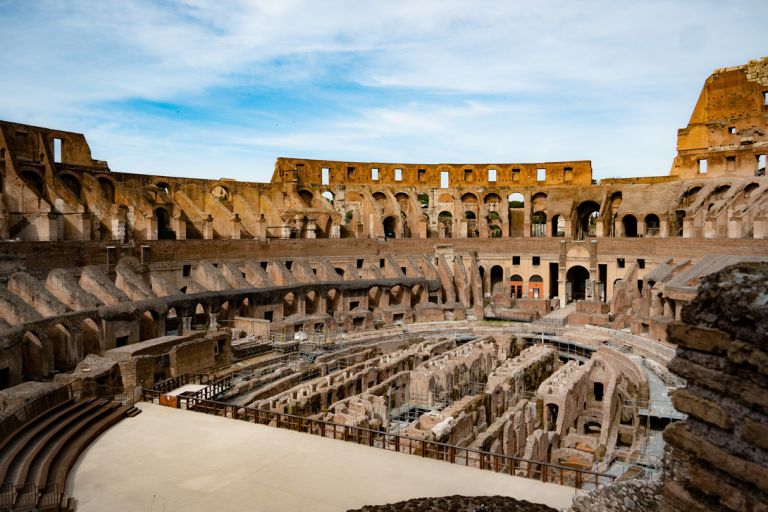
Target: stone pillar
x,y
640,227
310,227
213,325
688,228
208,228
664,228
235,227
527,215
185,327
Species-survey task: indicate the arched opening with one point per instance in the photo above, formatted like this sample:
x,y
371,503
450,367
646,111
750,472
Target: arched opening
x,y
492,199
390,227
497,279
328,196
380,198
31,357
586,219
516,200
221,193
63,353
558,226
689,196
445,224
72,183
108,188
720,191
374,297
539,224
749,189
164,231
536,287
592,428
494,231
311,302
445,197
332,300
90,337
148,326
171,322
516,286
470,215
424,200
629,226
676,223
576,283
416,292
290,305
469,199
200,320
402,201
33,181
306,197
163,187
552,412
652,225
396,295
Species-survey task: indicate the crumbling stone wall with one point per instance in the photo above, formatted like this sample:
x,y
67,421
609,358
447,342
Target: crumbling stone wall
x,y
717,459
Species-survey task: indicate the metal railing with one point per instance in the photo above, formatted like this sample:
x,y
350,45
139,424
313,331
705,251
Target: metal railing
x,y
30,497
115,394
515,466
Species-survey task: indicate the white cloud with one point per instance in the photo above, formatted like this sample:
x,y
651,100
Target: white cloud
x,y
435,80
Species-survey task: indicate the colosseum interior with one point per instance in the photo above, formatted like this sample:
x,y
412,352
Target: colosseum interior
x,y
515,317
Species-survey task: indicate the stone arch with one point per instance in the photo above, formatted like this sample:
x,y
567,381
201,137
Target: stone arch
x,y
62,342
332,300
374,297
108,188
390,226
221,193
652,225
33,181
629,226
749,189
539,224
470,215
416,293
423,199
163,186
445,197
689,196
516,200
290,304
396,294
311,302
226,314
328,196
492,198
148,325
402,200
164,230
90,337
200,315
497,279
558,226
32,356
72,183
586,219
380,198
306,197
445,220
539,201
576,282
469,199
550,423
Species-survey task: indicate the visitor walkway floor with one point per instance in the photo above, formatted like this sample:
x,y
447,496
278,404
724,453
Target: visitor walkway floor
x,y
172,460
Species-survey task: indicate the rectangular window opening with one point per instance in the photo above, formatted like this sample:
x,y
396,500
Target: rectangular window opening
x,y
57,150
268,316
264,264
186,270
374,174
360,263
765,98
381,263
620,262
731,129
326,176
445,179
703,166
515,174
541,174
536,261
730,163
760,165
469,175
422,174
350,173
641,263
491,175
515,260
398,174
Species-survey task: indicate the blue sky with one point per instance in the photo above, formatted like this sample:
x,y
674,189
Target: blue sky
x,y
209,88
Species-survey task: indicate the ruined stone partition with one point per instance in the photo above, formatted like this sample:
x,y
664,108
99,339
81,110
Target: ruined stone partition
x,y
717,459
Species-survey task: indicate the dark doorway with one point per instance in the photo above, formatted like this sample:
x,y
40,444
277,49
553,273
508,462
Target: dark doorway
x,y
577,278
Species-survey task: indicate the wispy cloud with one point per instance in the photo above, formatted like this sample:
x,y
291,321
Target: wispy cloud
x,y
208,88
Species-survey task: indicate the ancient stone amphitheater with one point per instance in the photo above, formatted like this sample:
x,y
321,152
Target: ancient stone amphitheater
x,y
516,318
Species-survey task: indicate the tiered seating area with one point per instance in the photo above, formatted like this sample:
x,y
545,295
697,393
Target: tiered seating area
x,y
36,457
